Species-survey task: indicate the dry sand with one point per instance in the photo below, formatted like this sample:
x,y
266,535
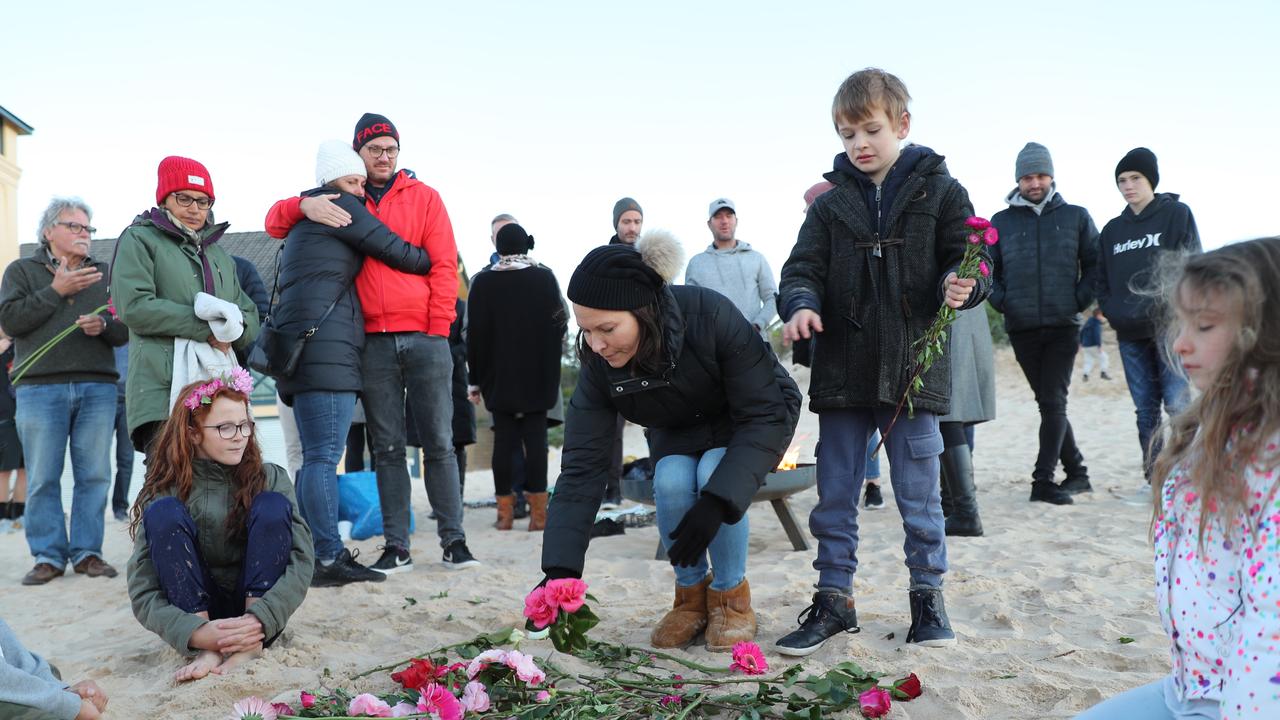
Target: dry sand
x,y
1039,603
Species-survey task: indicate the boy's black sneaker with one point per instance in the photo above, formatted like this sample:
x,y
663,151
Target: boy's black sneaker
x,y
1049,492
343,570
929,624
457,556
395,559
1074,485
872,499
829,614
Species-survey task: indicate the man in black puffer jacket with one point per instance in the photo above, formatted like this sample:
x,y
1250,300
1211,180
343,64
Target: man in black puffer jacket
x,y
1046,262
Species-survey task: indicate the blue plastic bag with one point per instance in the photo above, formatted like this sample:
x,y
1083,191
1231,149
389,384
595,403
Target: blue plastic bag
x,y
358,504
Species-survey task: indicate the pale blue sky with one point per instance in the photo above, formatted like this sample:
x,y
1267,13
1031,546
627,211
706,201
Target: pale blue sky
x,y
552,111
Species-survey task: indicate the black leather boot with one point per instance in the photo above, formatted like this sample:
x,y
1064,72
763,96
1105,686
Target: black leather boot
x,y
957,472
948,503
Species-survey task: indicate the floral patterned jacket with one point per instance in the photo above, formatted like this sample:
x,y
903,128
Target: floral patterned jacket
x,y
1220,602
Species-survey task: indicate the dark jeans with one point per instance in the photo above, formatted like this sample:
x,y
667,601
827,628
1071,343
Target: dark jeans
x,y
124,460
527,435
1151,381
356,437
323,419
422,365
1047,357
184,575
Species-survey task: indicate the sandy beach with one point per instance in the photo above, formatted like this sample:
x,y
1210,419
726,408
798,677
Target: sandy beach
x,y
1039,604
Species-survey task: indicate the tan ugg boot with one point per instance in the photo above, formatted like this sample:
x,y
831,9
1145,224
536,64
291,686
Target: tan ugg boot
x,y
506,511
537,510
687,617
730,618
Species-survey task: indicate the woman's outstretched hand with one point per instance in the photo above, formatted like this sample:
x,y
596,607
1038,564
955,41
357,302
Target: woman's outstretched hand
x,y
696,531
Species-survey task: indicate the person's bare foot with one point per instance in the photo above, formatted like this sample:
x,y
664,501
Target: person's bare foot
x,y
208,661
236,659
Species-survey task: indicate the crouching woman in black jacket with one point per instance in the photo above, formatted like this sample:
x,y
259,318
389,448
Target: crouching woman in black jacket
x,y
720,409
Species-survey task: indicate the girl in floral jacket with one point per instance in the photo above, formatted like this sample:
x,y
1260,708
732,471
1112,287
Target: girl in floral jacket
x,y
1217,520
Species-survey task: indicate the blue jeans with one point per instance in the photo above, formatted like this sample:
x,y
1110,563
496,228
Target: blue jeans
x,y
48,416
677,480
873,461
183,574
1151,380
422,365
124,460
913,448
323,419
1154,701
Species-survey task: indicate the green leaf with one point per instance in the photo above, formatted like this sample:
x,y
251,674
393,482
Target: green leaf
x,y
409,601
440,595
1125,640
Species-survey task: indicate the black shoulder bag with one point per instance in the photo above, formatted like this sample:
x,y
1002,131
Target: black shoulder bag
x,y
277,353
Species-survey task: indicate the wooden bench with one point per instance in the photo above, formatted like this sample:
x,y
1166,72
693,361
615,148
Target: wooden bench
x,y
778,487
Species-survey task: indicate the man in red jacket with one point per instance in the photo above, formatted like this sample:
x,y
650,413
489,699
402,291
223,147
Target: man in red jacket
x,y
406,321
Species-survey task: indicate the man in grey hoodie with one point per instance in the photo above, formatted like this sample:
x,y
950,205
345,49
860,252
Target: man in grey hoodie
x,y
731,268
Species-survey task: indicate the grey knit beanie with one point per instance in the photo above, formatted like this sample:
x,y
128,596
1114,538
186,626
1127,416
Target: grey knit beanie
x,y
622,206
1033,160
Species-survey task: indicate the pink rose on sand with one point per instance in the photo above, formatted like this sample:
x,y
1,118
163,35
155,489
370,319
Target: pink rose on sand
x,y
978,223
748,659
875,702
439,703
542,696
984,268
540,609
475,698
282,708
525,668
483,659
307,699
253,708
568,594
990,236
369,706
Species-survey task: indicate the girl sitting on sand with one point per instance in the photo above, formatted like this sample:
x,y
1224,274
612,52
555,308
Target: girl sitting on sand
x,y
221,556
1217,520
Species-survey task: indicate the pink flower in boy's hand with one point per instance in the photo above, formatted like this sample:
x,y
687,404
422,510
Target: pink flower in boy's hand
x,y
539,608
368,706
748,659
978,223
568,594
983,268
990,236
874,702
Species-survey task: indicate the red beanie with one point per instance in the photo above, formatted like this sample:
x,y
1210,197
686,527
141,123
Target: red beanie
x,y
179,173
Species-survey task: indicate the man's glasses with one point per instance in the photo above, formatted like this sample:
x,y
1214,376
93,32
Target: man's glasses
x,y
226,431
76,228
376,152
186,200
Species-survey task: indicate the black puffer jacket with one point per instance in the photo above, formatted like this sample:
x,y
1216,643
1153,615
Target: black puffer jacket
x,y
874,308
723,388
1045,265
317,264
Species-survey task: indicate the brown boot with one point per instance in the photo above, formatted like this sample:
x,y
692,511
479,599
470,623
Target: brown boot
x,y
506,511
687,617
537,510
730,619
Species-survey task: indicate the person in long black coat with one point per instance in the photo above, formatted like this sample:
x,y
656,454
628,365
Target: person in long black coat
x,y
317,272
516,323
683,362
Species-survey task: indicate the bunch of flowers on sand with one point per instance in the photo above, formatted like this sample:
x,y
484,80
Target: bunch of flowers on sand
x,y
490,676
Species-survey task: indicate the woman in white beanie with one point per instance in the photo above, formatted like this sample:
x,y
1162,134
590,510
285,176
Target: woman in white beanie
x,y
318,306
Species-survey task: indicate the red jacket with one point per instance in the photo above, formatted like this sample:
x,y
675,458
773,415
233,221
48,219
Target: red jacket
x,y
394,301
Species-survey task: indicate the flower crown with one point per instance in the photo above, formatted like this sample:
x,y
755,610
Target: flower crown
x,y
238,379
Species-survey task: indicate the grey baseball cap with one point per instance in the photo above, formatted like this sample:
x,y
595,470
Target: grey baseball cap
x,y
719,204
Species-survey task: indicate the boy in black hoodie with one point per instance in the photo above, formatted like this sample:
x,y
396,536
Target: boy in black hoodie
x,y
875,259
1130,250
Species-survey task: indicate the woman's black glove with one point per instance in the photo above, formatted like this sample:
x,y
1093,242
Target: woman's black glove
x,y
696,530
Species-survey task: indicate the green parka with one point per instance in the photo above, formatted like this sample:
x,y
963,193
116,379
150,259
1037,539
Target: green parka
x,y
209,504
157,271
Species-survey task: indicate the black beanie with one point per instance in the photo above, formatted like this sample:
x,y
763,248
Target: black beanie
x,y
614,277
1140,160
512,240
371,126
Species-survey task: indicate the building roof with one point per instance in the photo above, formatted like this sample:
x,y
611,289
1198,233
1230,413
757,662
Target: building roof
x,y
257,247
23,128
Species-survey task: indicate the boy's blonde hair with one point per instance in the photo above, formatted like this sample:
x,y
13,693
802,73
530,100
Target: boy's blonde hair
x,y
1231,426
866,90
